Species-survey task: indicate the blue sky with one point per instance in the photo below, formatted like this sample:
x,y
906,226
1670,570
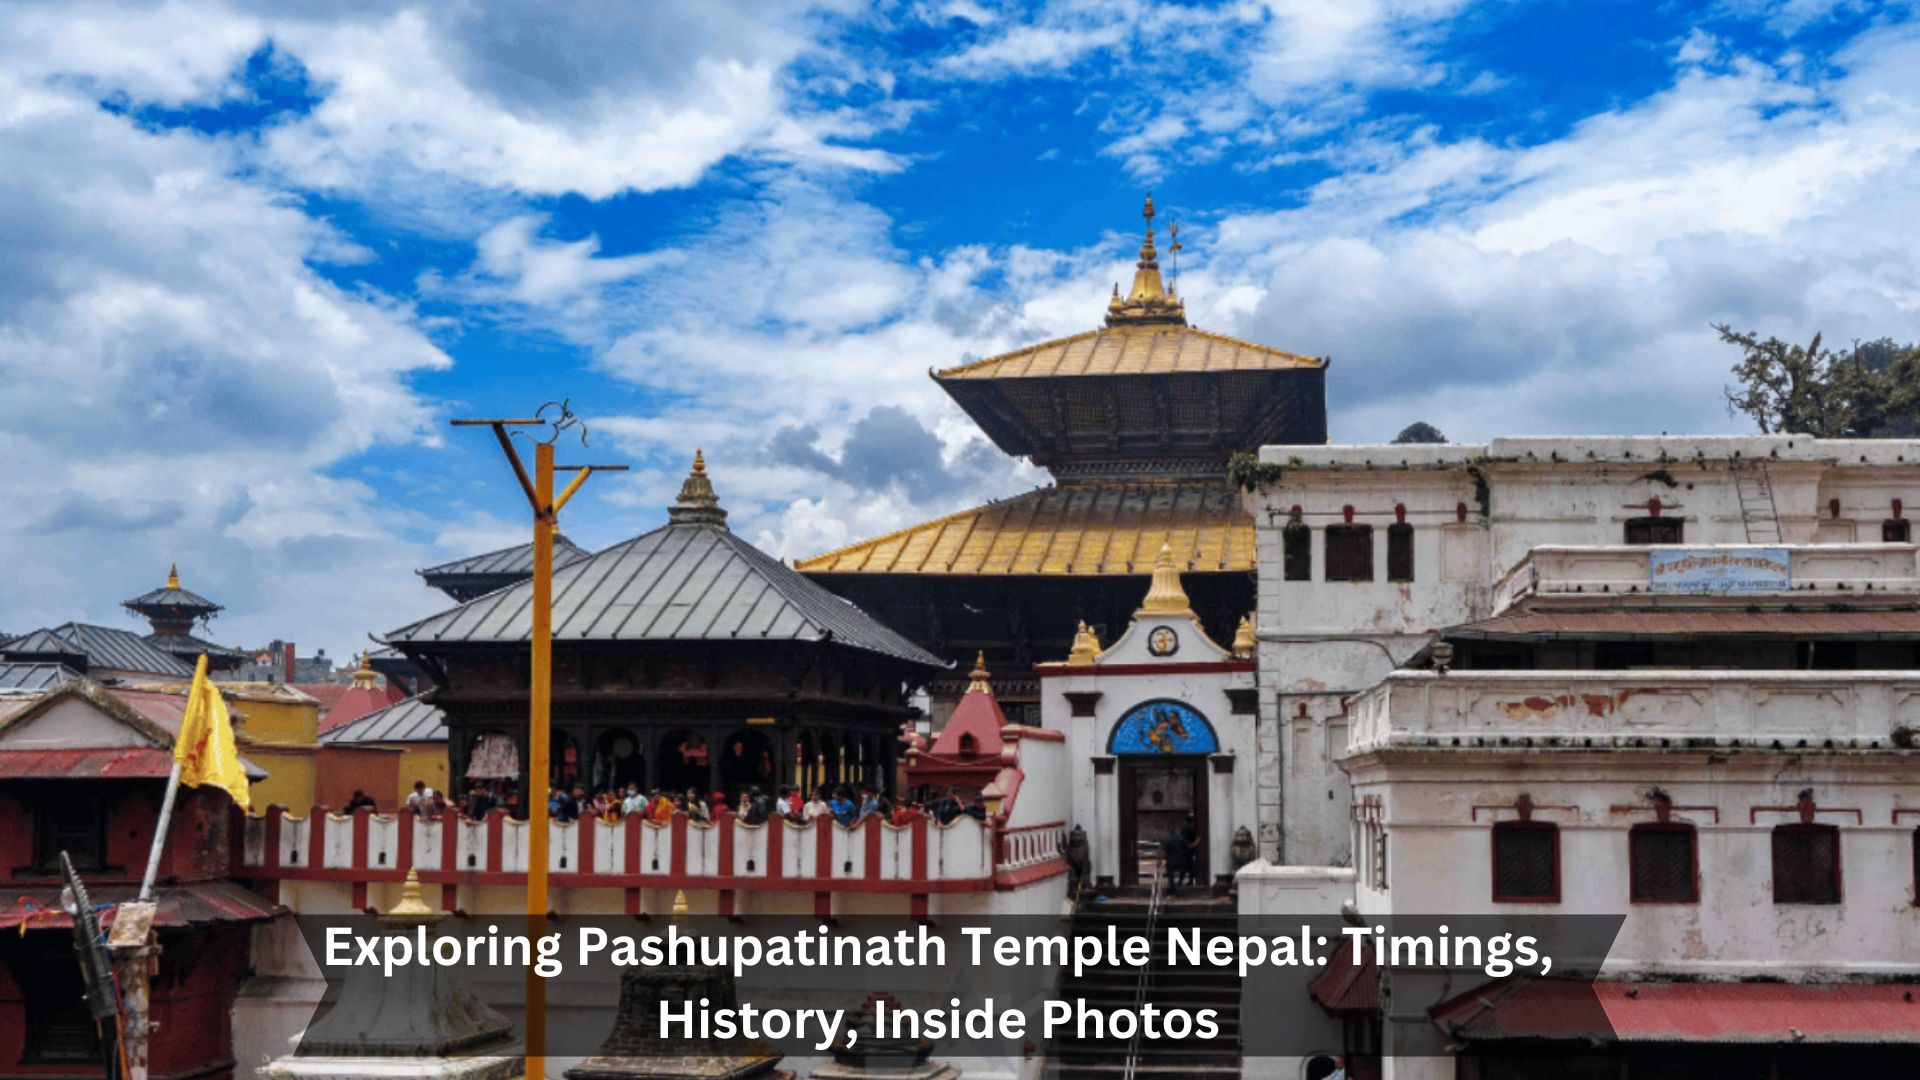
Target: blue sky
x,y
253,254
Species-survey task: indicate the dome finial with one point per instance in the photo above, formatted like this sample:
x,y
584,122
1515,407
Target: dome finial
x,y
173,576
1165,596
1244,642
1149,301
697,504
364,676
1086,646
977,678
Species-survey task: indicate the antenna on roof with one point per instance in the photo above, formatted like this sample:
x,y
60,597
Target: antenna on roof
x,y
1173,257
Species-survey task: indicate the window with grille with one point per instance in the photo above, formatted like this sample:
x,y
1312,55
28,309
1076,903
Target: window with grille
x,y
1806,864
1297,552
1400,552
1379,855
73,824
1661,867
1526,862
1896,531
1655,530
1349,553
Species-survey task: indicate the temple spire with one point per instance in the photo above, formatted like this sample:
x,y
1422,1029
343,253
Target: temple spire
x,y
977,678
697,504
1166,596
1149,301
173,576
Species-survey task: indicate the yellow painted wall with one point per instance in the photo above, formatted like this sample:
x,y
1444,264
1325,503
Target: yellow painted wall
x,y
422,761
290,777
277,728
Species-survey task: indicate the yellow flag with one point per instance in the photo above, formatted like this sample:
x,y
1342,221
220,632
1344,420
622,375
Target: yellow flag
x,y
205,748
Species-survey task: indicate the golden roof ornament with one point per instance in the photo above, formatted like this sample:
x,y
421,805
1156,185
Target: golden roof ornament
x,y
1165,596
413,906
364,678
1149,302
1086,646
1243,640
977,678
697,504
173,576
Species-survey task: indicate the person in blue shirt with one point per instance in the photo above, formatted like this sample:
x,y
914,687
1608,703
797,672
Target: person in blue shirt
x,y
843,808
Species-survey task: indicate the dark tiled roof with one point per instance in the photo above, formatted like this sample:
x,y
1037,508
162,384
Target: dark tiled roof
x,y
189,648
680,582
412,720
165,597
517,560
101,646
35,676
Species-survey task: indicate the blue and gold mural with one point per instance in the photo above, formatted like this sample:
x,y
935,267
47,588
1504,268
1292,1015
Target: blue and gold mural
x,y
1163,727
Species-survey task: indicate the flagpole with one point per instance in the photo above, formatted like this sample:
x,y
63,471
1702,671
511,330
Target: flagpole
x,y
160,831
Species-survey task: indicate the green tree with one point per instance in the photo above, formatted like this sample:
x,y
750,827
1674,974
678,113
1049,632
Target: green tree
x,y
1869,391
1419,432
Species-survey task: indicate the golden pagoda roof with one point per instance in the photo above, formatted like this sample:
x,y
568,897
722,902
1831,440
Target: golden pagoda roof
x,y
1150,349
1086,527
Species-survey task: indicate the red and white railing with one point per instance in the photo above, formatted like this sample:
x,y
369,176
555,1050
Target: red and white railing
x,y
918,858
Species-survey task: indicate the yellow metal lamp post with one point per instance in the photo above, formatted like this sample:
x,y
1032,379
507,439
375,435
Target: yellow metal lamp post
x,y
546,515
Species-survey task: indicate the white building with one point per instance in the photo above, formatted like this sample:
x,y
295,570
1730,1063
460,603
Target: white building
x,y
1665,678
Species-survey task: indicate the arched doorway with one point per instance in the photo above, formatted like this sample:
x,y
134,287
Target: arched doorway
x,y
1162,747
746,760
619,759
683,762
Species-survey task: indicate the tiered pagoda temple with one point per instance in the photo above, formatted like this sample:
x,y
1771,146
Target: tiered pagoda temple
x,y
175,612
684,658
1136,421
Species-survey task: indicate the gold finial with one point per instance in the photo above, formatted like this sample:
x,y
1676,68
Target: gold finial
x,y
1243,639
681,909
364,677
977,683
173,576
1086,646
697,504
413,903
1149,302
1165,596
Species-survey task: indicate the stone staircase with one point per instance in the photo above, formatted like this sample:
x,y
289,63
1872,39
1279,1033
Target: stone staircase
x,y
1183,987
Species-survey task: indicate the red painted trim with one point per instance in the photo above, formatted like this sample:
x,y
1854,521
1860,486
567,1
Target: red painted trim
x,y
919,906
726,903
1046,671
496,839
236,841
589,833
403,826
682,881
776,849
317,837
361,819
633,825
726,848
823,906
873,827
920,844
677,861
1017,732
449,844
633,902
1647,808
1693,853
1493,850
1753,813
449,896
823,847
359,900
276,820
1027,875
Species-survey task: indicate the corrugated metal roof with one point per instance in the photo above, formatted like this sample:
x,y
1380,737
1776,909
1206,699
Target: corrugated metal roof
x,y
1653,622
82,763
514,560
1085,527
35,676
174,905
1346,986
103,646
412,720
680,582
1707,1012
189,648
1131,350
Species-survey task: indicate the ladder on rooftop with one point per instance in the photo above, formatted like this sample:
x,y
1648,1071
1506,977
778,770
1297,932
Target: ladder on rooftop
x,y
1757,510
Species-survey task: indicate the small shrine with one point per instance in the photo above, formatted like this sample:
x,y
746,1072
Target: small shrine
x,y
174,613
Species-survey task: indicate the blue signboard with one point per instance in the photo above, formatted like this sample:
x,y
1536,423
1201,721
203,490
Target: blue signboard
x,y
1163,727
1719,570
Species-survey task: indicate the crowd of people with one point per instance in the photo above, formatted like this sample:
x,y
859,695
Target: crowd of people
x,y
844,804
